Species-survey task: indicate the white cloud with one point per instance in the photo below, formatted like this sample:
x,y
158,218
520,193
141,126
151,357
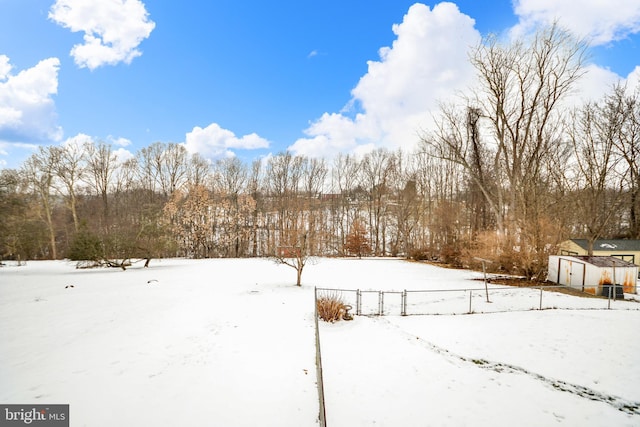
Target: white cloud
x,y
599,21
119,142
597,82
27,110
77,141
122,155
427,62
633,80
215,142
113,29
5,67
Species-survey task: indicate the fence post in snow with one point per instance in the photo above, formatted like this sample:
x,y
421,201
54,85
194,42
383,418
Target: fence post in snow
x,y
614,281
484,273
470,293
540,297
403,303
358,302
319,379
380,303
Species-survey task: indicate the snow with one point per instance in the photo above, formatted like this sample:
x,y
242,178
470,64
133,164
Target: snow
x,y
231,342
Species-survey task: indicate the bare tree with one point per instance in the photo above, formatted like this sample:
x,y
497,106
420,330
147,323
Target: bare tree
x,y
521,88
173,168
314,173
148,160
69,169
101,164
375,173
230,179
626,107
254,189
505,130
344,181
199,170
598,193
39,170
283,180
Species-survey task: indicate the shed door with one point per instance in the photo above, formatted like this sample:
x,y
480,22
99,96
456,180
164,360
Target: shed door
x,y
572,273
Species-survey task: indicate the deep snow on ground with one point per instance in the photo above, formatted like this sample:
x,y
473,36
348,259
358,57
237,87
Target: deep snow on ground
x,y
231,343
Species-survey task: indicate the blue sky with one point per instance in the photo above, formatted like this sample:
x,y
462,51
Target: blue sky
x,y
249,78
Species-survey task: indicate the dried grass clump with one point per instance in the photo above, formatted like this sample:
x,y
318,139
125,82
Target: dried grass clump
x,y
332,308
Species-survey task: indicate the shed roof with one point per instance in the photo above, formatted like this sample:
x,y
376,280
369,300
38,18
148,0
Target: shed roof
x,y
604,261
610,245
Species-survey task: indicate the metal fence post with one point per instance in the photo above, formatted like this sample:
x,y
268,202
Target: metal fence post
x,y
470,294
322,415
403,303
540,297
358,302
380,303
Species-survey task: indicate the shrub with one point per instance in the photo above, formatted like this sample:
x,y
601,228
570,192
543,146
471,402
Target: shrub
x,y
421,254
86,246
332,308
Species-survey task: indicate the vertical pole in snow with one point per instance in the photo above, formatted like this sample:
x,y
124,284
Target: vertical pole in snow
x,y
470,293
358,302
540,297
615,291
609,301
484,273
322,416
380,303
403,303
486,287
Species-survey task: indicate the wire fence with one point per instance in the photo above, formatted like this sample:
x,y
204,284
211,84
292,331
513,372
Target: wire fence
x,y
467,300
492,299
322,416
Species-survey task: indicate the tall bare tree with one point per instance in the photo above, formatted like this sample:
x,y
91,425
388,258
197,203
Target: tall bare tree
x,y
70,169
511,123
39,170
344,206
101,164
283,179
625,105
199,170
173,167
593,131
314,174
518,101
376,170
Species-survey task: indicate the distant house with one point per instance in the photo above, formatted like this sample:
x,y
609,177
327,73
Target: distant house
x,y
624,249
593,274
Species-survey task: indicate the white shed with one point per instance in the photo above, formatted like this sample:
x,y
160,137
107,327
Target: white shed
x,y
594,274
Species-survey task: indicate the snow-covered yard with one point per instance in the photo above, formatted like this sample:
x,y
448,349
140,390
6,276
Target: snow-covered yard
x,y
231,343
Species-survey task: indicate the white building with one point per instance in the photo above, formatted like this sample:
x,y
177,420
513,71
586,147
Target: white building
x,y
593,275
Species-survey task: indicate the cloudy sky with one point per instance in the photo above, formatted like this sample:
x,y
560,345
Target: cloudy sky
x,y
249,78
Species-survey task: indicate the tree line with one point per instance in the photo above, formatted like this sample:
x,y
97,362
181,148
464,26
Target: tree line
x,y
508,172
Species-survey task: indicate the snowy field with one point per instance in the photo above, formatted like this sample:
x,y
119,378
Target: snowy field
x,y
231,343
